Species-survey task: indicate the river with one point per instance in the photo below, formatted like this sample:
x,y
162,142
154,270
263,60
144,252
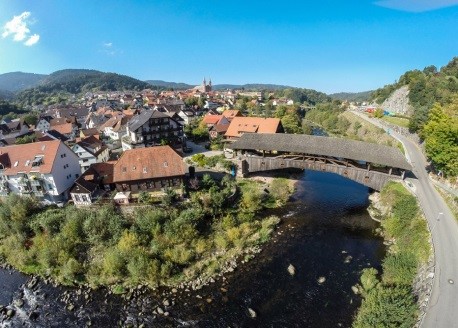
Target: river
x,y
325,233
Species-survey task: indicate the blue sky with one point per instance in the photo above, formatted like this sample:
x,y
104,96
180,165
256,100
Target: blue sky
x,y
328,45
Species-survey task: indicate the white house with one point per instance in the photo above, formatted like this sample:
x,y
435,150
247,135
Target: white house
x,y
90,150
45,169
43,124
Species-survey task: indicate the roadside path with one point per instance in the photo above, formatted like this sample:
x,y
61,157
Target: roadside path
x,y
443,304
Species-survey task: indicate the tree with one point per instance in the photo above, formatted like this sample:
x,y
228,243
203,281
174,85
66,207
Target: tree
x,y
291,123
31,119
25,139
441,137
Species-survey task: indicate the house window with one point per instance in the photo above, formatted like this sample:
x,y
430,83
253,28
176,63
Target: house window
x,y
124,169
144,170
65,166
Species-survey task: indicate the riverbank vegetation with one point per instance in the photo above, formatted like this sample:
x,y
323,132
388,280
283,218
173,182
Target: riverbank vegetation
x,y
338,122
155,245
389,299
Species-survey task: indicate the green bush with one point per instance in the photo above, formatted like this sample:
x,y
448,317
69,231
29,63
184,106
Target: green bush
x,y
391,303
392,306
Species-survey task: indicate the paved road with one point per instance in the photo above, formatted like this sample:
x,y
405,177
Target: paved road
x,y
443,305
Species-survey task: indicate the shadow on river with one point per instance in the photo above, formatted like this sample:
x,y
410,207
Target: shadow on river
x,y
325,232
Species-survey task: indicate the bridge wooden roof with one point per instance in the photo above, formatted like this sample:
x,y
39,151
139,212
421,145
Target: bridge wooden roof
x,y
323,146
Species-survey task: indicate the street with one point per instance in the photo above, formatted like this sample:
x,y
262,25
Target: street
x,y
442,309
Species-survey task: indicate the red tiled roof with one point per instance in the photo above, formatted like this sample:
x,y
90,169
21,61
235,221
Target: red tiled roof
x,y
240,125
66,128
211,119
19,158
148,163
231,113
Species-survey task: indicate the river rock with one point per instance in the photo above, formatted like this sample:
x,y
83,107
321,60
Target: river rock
x,y
252,313
355,289
10,313
321,280
166,302
291,270
32,283
174,290
166,314
18,303
70,307
159,310
348,259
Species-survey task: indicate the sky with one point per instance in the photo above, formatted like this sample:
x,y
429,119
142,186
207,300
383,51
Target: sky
x,y
327,45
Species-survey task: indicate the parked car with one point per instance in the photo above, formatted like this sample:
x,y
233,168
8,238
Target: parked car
x,y
187,149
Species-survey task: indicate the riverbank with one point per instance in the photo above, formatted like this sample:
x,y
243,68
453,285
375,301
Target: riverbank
x,y
405,284
325,232
182,245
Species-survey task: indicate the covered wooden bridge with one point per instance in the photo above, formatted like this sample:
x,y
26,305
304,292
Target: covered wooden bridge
x,y
367,163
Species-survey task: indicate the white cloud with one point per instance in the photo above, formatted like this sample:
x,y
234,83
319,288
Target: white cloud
x,y
416,5
32,40
109,49
18,29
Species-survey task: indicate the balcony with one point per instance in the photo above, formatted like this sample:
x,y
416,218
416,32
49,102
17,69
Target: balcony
x,y
23,182
35,182
39,193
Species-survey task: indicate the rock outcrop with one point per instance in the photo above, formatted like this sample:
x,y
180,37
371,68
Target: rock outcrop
x,y
398,102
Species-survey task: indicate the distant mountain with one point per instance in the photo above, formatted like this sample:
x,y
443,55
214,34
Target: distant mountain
x,y
17,81
170,85
82,80
57,86
251,86
353,96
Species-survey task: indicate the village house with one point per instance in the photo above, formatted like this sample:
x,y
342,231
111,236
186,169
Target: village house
x,y
43,123
145,169
45,169
152,168
92,184
13,129
241,125
90,150
152,128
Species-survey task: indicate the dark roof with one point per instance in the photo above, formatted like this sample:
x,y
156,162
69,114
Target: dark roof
x,y
138,120
324,146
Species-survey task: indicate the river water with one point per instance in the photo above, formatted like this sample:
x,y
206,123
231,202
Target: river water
x,y
325,233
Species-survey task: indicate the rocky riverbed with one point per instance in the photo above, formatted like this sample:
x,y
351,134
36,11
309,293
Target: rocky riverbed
x,y
326,235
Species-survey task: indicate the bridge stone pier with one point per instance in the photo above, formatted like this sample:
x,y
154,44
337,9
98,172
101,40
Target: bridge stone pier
x,y
369,164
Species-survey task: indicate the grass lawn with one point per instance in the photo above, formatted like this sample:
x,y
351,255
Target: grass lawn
x,y
397,120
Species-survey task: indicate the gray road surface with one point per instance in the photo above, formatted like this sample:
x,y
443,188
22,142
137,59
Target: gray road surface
x,y
443,305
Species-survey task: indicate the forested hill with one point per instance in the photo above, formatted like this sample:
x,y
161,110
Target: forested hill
x,y
304,96
82,80
433,95
250,87
427,86
170,85
60,84
353,96
17,81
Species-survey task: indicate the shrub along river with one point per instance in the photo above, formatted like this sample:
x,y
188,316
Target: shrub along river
x,y
326,234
